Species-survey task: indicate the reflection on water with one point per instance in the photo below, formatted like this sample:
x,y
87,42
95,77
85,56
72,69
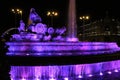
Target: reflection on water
x,y
64,72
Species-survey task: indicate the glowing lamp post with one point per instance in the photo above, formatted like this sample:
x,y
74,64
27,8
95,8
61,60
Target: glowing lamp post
x,y
84,18
17,11
52,14
20,14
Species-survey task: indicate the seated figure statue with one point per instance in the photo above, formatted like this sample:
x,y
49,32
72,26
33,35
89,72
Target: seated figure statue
x,y
21,28
31,28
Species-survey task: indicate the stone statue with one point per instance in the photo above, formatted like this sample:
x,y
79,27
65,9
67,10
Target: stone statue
x,y
21,28
31,28
34,17
40,28
51,30
61,31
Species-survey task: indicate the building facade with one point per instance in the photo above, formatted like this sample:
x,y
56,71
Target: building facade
x,y
106,29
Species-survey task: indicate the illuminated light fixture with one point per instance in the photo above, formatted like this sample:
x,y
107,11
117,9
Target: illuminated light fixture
x,y
48,13
87,17
23,79
53,12
90,75
101,73
52,79
116,70
109,72
13,10
27,54
37,79
12,79
65,78
80,76
18,10
81,18
84,18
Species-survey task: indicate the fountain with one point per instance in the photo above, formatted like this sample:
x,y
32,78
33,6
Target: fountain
x,y
72,26
40,41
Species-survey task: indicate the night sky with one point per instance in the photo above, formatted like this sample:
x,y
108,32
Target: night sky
x,y
95,9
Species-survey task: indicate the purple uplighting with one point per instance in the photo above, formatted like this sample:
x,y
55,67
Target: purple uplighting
x,y
60,72
55,48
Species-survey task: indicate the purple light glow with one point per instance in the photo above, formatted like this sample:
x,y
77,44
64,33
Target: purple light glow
x,y
116,70
66,78
80,76
40,48
52,79
101,73
90,75
72,39
62,71
109,72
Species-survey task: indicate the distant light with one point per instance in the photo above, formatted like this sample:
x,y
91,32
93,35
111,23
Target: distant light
x,y
72,39
37,79
87,17
109,72
116,70
18,10
65,78
101,73
81,18
84,17
52,79
56,14
13,10
12,79
80,76
53,12
23,79
27,54
48,13
90,75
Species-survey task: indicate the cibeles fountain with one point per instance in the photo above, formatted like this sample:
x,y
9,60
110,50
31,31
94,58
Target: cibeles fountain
x,y
37,39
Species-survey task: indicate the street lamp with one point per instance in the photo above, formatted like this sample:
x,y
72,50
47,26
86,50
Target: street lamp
x,y
52,14
20,14
17,11
84,18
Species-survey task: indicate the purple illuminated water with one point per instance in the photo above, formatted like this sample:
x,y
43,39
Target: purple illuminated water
x,y
63,72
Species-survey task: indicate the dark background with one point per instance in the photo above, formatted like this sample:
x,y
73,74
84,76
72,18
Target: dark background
x,y
96,9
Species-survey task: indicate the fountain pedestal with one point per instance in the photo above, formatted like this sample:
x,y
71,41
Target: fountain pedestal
x,y
60,48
